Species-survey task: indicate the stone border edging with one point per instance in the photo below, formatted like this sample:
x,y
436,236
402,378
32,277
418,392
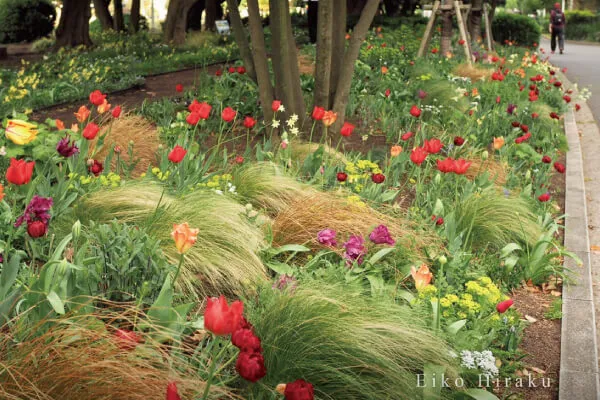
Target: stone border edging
x,y
579,379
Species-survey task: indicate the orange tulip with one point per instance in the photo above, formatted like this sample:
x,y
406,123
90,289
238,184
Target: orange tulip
x,y
396,150
384,70
104,107
329,118
59,125
184,237
422,276
498,142
75,128
82,114
1,192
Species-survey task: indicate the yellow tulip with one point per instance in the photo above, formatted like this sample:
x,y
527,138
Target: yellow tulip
x,y
184,237
20,132
422,277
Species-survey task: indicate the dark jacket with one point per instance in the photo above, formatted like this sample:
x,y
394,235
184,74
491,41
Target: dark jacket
x,y
557,18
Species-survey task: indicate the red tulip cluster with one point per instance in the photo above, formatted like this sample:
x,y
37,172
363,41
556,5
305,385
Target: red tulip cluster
x,y
222,319
450,165
523,138
433,146
498,76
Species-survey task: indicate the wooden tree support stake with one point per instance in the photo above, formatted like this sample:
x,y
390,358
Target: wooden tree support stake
x,y
488,28
463,32
428,30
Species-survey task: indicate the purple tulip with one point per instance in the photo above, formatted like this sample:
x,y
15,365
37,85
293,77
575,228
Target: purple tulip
x,y
327,237
36,210
65,148
355,249
381,235
511,109
422,94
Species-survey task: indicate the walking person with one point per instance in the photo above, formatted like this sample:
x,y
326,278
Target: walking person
x,y
557,28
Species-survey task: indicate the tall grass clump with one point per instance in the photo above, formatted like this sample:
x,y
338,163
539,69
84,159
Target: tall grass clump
x,y
494,219
78,357
224,258
347,345
310,213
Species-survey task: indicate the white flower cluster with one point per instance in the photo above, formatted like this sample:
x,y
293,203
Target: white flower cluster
x,y
230,188
482,360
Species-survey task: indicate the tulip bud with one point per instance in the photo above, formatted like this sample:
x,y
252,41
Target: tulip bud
x,y
437,179
485,155
443,260
76,229
528,175
145,289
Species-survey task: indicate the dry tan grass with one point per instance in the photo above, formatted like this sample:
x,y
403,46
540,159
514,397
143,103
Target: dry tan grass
x,y
301,150
129,128
302,220
474,72
78,358
496,169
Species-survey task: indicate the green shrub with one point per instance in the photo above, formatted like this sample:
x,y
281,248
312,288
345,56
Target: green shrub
x,y
576,17
25,20
519,29
128,264
347,345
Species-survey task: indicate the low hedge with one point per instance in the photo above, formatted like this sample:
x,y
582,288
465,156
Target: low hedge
x,y
518,29
25,20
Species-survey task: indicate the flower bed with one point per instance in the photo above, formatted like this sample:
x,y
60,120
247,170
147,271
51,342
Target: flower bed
x,y
350,275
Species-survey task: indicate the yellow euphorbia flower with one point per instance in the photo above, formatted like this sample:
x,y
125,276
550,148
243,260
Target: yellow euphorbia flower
x,y
20,132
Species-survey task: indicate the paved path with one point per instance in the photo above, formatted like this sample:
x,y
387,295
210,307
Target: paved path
x,y
583,67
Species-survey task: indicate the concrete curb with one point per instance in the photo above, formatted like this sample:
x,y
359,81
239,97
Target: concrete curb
x,y
579,377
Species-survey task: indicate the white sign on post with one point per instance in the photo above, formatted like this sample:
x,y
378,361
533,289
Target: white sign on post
x,y
222,27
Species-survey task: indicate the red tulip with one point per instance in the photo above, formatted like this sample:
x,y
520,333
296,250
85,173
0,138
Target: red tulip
x,y
220,318
347,129
498,100
559,167
193,118
177,154
378,178
241,70
239,160
231,70
299,390
387,93
445,166
90,131
524,128
97,98
179,88
546,160
172,393
515,124
433,146
201,109
577,107
439,221
567,98
96,167
251,366
418,155
461,41
534,115
228,114
342,176
249,122
415,111
504,305
461,166
116,112
19,172
276,105
407,136
318,113
36,229
126,339
544,197
246,341
458,141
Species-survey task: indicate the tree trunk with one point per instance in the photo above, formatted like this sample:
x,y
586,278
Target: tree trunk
x,y
241,38
445,41
261,63
119,22
74,26
134,16
285,60
323,59
338,47
103,14
347,71
475,20
210,15
176,22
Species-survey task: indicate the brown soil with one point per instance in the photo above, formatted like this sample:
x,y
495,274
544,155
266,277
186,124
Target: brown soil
x,y
541,344
155,87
